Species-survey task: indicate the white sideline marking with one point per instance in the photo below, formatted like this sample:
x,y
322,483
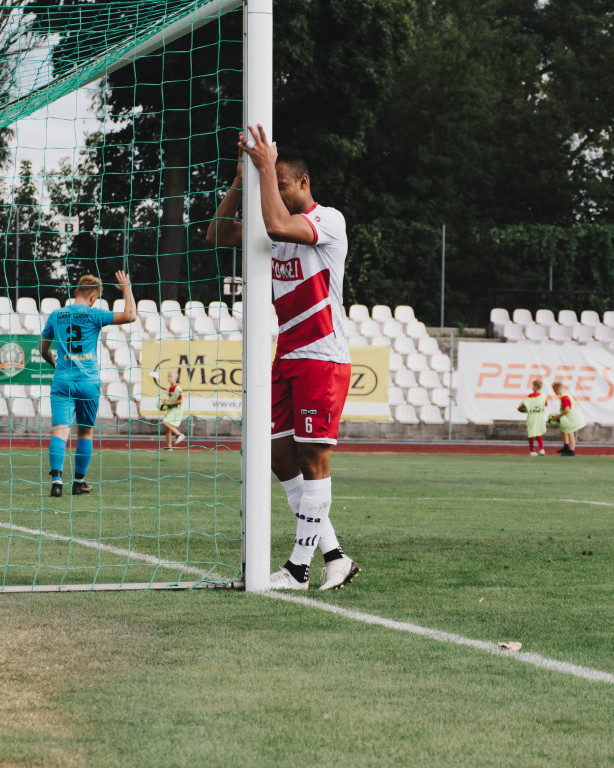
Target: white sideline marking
x,y
91,544
467,498
446,637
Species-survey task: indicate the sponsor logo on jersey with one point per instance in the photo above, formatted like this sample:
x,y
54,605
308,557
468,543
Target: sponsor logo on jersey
x,y
287,270
308,411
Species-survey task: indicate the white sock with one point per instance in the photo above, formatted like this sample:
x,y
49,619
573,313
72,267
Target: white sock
x,y
294,492
313,513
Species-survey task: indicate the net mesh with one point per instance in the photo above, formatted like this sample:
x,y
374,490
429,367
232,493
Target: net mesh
x,y
112,116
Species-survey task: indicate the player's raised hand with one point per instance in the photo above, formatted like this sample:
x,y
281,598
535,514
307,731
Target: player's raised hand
x,y
122,279
258,148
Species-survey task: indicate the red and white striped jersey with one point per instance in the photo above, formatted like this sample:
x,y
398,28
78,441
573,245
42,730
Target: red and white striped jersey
x,y
308,291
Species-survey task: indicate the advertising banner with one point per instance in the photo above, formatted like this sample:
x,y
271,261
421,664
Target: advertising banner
x,y
494,378
21,361
211,380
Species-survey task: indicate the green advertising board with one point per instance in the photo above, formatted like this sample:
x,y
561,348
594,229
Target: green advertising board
x,y
21,361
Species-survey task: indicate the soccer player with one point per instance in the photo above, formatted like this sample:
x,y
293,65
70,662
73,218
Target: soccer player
x,y
535,407
569,418
76,381
311,370
172,407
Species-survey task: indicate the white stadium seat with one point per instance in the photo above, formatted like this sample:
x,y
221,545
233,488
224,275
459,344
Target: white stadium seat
x,y
404,379
113,337
429,379
22,408
428,346
102,304
124,357
523,317
37,391
536,332
204,326
441,397
381,313
357,341
545,317
416,362
499,318
146,308
44,407
440,362
33,323
11,324
179,326
26,306
359,313
193,309
583,334
395,362
568,318
237,311
16,391
125,410
404,345
559,333
153,324
109,375
6,305
406,414
369,329
381,341
590,318
119,305
404,313
604,333
608,318
116,390
105,412
49,305
430,414
4,409
393,329
395,396
418,396
514,332
457,417
415,329
170,308
349,326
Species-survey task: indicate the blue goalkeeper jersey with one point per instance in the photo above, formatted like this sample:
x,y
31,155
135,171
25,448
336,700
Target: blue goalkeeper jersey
x,y
76,329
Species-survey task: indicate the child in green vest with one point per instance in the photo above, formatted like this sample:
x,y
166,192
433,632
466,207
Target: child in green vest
x,y
535,407
172,408
569,418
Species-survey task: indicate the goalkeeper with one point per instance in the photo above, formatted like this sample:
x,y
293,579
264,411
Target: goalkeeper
x,y
172,408
76,382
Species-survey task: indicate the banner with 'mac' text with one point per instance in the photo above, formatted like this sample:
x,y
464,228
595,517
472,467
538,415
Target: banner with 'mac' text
x,y
495,378
210,376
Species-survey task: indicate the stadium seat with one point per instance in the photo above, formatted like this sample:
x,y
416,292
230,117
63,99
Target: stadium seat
x,y
369,329
415,329
350,327
440,396
126,410
418,396
134,329
44,407
608,318
381,341
4,408
101,304
153,324
36,391
113,337
146,308
357,341
457,416
135,387
14,391
26,306
590,318
119,305
227,324
359,313
430,414
395,396
450,379
536,333
193,309
559,333
429,379
568,318
22,408
404,379
105,411
116,390
395,362
170,308
522,317
393,329
514,332
204,326
69,302
124,357
416,362
406,414
440,362
381,313
545,317
49,305
404,345
499,318
33,323
237,311
6,305
604,333
11,324
428,346
583,334
179,326
404,313
109,375
132,376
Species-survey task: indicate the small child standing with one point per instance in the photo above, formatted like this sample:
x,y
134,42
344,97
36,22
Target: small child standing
x,y
535,407
172,407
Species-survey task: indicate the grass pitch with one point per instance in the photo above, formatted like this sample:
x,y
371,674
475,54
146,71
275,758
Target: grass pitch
x,y
491,548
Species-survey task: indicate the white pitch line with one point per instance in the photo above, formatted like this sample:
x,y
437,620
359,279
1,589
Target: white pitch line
x,y
542,662
467,498
91,544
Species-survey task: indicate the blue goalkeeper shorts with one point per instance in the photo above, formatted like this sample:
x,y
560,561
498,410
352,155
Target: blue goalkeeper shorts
x,y
71,398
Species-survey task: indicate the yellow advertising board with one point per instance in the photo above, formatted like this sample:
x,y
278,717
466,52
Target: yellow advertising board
x,y
211,380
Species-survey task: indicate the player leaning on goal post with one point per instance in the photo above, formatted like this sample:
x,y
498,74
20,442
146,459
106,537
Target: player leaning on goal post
x,y
311,370
76,380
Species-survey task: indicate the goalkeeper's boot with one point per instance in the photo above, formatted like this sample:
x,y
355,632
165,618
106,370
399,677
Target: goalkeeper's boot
x,y
79,487
283,579
56,484
337,573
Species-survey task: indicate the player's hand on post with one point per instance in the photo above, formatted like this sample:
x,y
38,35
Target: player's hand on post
x,y
258,148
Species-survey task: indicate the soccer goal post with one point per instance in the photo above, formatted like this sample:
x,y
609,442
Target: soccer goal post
x,y
160,89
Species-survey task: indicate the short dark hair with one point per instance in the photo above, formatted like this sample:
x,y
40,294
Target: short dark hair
x,y
294,160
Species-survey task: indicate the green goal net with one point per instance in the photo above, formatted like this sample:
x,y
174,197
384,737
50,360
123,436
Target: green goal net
x,y
118,129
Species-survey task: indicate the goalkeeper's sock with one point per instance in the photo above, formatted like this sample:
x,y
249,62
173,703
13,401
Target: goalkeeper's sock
x,y
57,451
83,456
313,513
294,492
